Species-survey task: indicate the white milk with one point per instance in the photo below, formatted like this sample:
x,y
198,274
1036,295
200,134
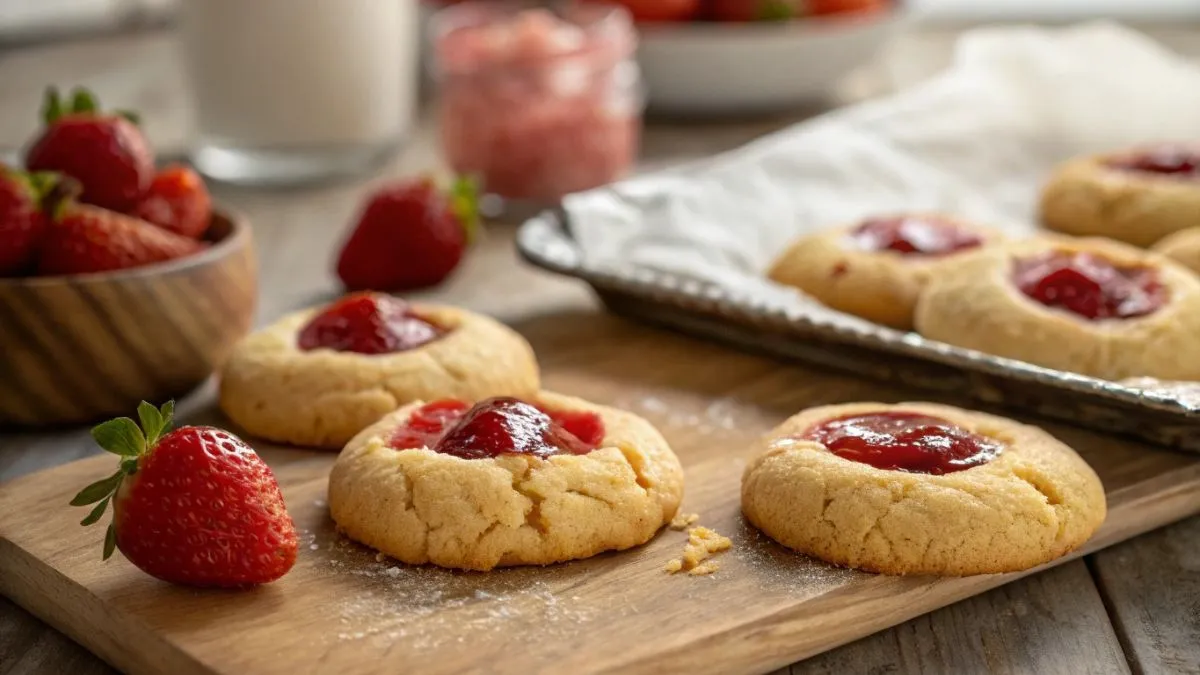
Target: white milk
x,y
294,90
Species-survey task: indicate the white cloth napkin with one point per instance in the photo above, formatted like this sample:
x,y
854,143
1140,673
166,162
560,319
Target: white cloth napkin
x,y
977,141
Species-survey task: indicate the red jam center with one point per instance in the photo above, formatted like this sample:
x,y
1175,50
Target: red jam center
x,y
498,426
912,235
1173,161
904,441
368,324
1089,285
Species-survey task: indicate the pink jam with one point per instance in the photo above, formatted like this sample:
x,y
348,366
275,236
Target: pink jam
x,y
534,103
1180,162
919,235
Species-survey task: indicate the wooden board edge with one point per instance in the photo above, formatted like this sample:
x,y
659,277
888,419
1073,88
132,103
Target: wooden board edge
x,y
67,606
786,637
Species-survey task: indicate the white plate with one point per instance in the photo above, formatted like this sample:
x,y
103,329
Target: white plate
x,y
714,68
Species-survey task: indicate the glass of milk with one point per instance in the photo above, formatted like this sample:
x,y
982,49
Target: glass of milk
x,y
296,91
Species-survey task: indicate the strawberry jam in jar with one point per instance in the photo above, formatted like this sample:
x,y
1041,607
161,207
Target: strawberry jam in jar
x,y
537,102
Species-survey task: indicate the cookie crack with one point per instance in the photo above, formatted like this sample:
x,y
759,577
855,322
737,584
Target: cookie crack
x,y
581,493
409,505
636,463
1039,483
533,517
488,530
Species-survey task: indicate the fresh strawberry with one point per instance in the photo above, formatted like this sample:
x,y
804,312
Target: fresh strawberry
x,y
193,506
22,222
84,239
410,235
106,153
177,200
754,10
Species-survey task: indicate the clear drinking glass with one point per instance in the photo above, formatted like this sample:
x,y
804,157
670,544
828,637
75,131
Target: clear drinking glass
x,y
294,91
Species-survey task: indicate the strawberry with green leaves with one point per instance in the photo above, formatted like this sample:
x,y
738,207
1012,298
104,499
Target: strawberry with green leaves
x,y
411,234
22,221
105,152
193,506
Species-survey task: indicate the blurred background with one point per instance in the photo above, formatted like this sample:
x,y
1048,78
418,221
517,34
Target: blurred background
x,y
36,20
277,92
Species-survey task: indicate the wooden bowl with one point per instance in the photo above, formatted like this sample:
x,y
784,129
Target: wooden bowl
x,y
83,348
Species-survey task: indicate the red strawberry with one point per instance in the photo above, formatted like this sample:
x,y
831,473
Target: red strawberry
x,y
411,235
194,506
22,222
85,239
106,153
177,200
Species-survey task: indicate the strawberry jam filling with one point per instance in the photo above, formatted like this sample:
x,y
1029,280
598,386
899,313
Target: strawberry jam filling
x,y
1171,161
919,235
368,324
498,426
904,441
1089,286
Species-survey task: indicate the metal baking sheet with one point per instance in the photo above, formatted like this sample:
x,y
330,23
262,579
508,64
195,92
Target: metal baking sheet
x,y
1165,414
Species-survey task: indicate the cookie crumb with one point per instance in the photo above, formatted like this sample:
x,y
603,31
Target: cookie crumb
x,y
702,544
379,557
681,521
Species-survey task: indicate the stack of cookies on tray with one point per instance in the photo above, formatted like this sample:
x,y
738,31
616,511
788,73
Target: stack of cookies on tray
x,y
1084,297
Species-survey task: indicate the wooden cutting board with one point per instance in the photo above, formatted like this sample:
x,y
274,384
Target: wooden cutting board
x,y
342,610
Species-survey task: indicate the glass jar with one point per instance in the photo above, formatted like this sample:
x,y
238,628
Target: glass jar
x,y
537,102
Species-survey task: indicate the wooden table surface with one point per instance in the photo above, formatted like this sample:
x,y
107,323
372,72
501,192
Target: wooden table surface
x,y
1132,608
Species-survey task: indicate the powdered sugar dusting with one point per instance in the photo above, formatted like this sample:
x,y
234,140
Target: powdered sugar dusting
x,y
428,607
716,416
782,571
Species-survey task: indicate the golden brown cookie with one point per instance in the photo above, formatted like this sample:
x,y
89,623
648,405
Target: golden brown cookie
x,y
322,397
1089,306
1015,499
876,268
473,510
1137,196
1183,247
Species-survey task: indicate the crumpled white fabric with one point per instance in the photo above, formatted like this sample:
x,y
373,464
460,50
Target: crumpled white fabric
x,y
977,141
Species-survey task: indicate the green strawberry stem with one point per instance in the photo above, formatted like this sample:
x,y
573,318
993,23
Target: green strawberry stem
x,y
775,10
80,102
124,438
52,107
464,201
49,190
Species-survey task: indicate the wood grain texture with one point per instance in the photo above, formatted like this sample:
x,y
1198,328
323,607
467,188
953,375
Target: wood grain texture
x,y
79,349
1050,623
29,648
765,608
1141,577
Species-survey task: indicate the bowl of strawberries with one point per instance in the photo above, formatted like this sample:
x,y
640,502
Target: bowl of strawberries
x,y
719,57
119,282
739,56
